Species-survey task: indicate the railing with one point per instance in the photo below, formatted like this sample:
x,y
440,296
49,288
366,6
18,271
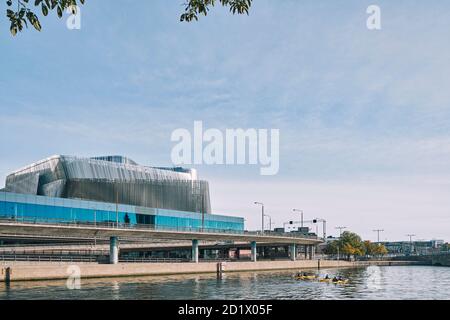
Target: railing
x,y
47,258
127,226
54,244
95,252
282,234
165,260
152,260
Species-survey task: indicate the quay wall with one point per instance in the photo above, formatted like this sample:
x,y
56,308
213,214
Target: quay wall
x,y
55,271
441,260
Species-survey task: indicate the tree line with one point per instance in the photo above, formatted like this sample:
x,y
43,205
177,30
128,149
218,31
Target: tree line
x,y
351,245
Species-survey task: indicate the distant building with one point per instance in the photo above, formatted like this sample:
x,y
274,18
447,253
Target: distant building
x,y
414,247
111,189
331,239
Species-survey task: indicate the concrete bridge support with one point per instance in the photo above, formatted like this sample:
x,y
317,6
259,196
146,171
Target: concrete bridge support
x,y
113,250
310,252
293,252
195,251
253,246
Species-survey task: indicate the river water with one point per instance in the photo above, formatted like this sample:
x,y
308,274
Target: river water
x,y
397,282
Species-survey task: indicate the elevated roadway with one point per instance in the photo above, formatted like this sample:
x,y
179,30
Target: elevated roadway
x,y
114,233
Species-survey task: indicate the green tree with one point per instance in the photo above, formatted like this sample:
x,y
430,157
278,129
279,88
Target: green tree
x,y
22,12
331,247
351,244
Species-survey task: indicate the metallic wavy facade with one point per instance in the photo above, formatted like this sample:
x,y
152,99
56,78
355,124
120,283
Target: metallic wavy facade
x,y
112,179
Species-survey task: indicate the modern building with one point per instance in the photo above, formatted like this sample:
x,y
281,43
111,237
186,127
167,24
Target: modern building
x,y
111,189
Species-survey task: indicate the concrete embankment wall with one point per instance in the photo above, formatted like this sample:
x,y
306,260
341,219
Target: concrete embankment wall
x,y
441,260
37,271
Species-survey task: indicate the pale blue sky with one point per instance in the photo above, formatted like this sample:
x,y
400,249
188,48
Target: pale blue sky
x,y
364,115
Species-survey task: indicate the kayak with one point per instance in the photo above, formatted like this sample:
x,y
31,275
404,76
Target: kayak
x,y
335,282
306,277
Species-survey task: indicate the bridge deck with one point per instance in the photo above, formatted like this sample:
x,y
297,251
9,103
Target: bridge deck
x,y
93,231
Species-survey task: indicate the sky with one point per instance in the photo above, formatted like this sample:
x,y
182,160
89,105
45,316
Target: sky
x,y
364,116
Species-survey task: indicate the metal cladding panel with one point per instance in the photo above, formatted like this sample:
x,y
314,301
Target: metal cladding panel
x,y
191,196
76,168
117,159
65,167
113,179
53,189
26,184
48,170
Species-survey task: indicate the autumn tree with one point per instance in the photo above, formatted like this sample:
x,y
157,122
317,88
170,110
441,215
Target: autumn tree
x,y
381,250
23,12
374,249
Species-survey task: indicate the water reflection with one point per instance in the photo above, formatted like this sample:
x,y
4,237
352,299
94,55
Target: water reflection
x,y
412,282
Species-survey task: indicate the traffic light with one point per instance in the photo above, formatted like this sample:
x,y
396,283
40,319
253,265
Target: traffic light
x,y
291,222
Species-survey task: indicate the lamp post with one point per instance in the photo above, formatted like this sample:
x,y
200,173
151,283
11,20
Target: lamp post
x,y
340,235
410,242
270,221
301,216
340,230
378,234
262,215
201,197
117,208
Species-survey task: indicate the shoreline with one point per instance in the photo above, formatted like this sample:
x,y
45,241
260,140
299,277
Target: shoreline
x,y
22,271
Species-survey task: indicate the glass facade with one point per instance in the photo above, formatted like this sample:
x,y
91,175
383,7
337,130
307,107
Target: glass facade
x,y
24,207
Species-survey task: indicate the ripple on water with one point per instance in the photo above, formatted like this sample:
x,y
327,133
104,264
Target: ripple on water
x,y
402,282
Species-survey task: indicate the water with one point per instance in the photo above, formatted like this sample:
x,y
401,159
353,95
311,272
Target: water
x,y
399,282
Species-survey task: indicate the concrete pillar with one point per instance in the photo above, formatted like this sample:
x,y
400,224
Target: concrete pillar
x,y
306,251
195,251
313,252
293,250
113,250
253,244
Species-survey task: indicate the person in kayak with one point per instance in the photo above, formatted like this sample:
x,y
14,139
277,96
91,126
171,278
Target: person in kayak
x,y
338,279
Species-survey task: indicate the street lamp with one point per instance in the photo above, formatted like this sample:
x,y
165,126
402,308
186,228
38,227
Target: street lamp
x,y
301,215
340,236
270,221
378,234
340,230
262,215
200,198
410,241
